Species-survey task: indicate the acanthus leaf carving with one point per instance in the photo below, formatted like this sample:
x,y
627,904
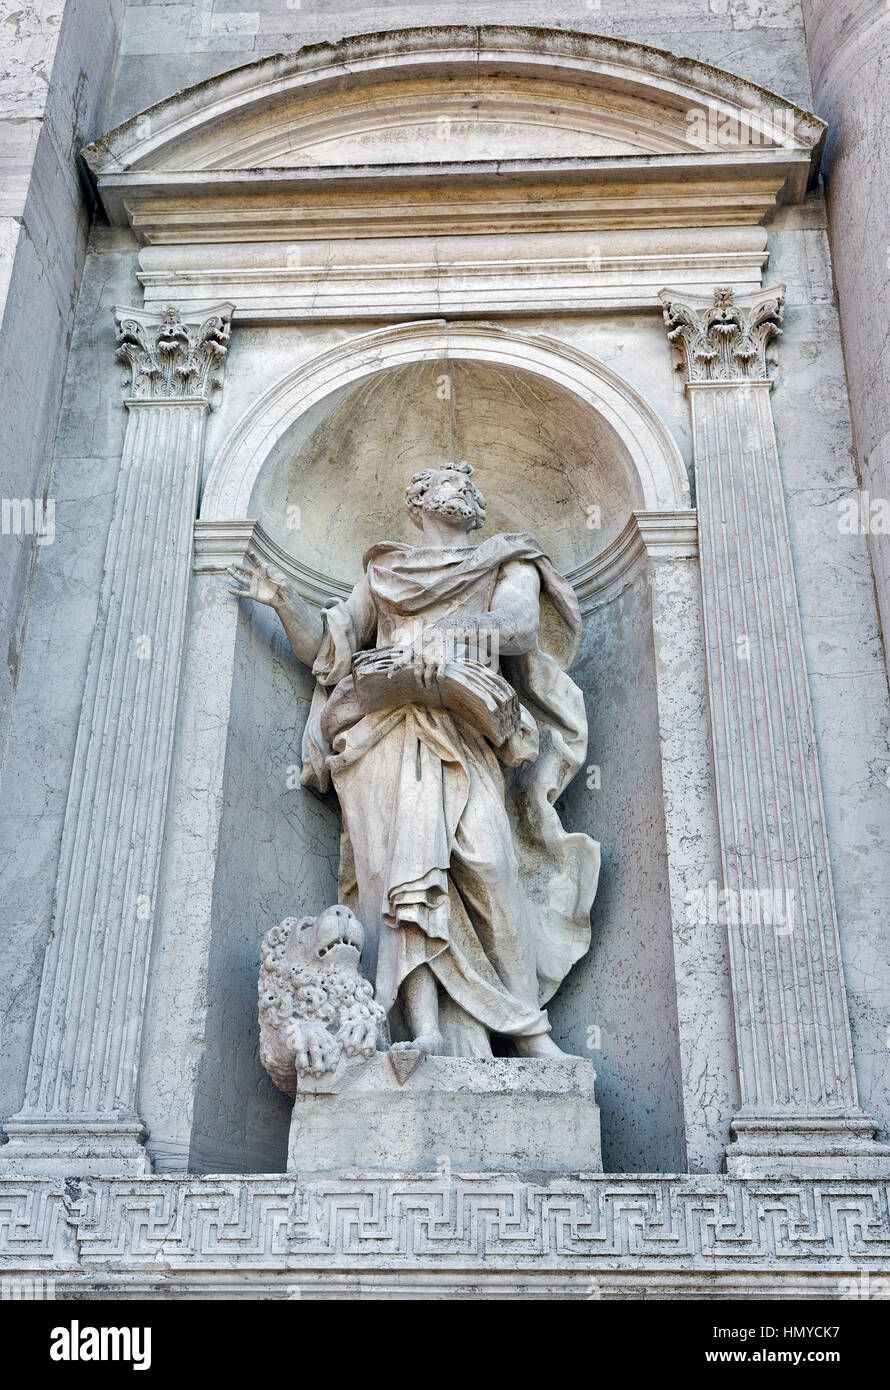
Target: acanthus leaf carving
x,y
171,358
724,339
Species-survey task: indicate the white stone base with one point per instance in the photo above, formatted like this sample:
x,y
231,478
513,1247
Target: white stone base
x,y
74,1148
519,1114
820,1146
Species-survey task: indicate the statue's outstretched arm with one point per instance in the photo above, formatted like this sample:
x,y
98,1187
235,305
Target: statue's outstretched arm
x,y
264,584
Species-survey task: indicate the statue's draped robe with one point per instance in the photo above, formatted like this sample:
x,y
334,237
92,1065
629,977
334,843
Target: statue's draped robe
x,y
452,853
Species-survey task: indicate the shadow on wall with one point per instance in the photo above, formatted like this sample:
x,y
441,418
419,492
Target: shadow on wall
x,y
279,856
618,1006
546,461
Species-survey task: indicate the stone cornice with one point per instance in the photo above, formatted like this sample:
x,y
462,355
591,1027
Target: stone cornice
x,y
595,194
219,544
647,535
447,50
382,280
697,146
656,535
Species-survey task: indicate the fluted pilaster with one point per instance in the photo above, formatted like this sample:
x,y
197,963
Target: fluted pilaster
x,y
81,1101
799,1102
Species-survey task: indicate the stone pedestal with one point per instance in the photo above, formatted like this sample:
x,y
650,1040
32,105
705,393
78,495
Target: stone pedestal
x,y
495,1114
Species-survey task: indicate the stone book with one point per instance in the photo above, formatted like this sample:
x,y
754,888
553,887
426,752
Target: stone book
x,y
476,692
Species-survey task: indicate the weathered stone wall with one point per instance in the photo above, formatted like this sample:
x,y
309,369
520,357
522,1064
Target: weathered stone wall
x,y
56,65
63,614
848,46
168,46
624,989
841,632
280,852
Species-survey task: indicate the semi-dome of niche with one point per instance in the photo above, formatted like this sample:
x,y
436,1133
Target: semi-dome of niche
x,y
546,462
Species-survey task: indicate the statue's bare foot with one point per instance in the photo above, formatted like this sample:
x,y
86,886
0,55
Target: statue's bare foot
x,y
430,1044
542,1045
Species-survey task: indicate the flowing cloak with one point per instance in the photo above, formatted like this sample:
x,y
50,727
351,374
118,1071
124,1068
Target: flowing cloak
x,y
408,883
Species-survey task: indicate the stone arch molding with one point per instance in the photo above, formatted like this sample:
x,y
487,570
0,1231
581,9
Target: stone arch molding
x,y
650,448
262,115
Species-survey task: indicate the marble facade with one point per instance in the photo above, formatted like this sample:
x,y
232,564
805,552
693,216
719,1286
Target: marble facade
x,y
604,271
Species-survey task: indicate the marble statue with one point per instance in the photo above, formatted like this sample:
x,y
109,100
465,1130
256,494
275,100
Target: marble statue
x,y
445,718
315,1005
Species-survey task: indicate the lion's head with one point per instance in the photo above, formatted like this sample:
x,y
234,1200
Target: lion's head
x,y
332,939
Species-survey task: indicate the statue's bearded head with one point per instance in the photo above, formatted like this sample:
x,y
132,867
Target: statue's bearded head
x,y
446,492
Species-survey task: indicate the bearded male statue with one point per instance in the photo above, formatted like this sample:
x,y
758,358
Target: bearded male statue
x,y
446,720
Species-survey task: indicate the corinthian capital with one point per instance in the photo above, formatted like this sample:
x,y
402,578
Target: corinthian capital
x,y
171,358
724,338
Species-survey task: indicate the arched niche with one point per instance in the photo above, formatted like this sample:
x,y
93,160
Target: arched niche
x,y
634,442
546,461
553,433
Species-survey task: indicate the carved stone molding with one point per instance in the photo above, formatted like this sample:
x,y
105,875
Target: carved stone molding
x,y
79,1113
313,281
671,535
219,544
586,1236
170,359
724,338
209,165
648,535
651,448
799,1101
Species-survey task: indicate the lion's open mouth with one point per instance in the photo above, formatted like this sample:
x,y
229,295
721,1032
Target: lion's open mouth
x,y
341,941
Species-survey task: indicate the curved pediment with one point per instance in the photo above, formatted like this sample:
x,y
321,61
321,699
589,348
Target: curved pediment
x,y
421,106
407,120
414,95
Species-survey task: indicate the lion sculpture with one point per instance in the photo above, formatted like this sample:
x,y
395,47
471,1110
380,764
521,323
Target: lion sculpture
x,y
315,1005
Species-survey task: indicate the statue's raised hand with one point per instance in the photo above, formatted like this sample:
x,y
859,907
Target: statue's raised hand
x,y
265,584
262,583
